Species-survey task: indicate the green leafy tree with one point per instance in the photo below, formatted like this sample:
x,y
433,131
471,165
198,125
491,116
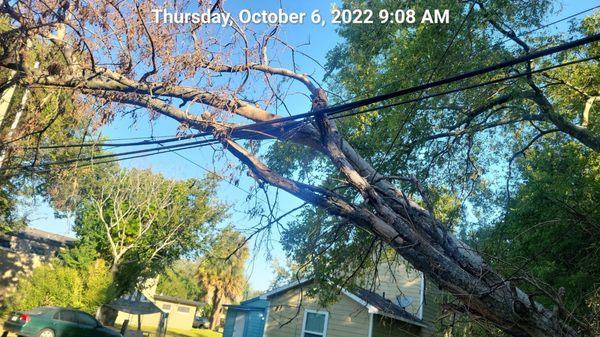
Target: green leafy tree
x,y
56,284
445,152
29,123
360,173
180,281
141,222
549,237
221,272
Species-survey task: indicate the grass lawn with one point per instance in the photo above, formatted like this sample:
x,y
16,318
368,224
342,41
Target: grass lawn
x,y
193,333
184,333
170,332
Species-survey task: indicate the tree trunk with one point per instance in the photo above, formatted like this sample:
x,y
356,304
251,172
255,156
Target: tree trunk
x,y
581,133
114,269
215,314
384,210
417,236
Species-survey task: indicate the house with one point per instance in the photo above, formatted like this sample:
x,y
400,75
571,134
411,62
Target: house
x,y
174,312
22,251
181,311
401,304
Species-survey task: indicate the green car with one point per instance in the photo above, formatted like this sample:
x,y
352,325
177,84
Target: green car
x,y
56,322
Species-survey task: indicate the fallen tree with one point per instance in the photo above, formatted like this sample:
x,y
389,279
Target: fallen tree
x,y
174,70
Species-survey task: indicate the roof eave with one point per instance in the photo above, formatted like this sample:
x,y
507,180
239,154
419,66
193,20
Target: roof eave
x,y
370,308
287,287
373,310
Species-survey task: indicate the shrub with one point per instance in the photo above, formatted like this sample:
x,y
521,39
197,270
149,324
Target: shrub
x,y
55,284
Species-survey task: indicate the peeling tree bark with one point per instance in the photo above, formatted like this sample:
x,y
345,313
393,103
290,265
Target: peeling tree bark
x,y
427,244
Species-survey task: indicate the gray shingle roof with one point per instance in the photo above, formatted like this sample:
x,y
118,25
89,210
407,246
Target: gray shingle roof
x,y
177,300
40,235
135,307
383,304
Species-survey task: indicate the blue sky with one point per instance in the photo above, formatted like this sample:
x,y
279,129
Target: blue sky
x,y
171,165
321,40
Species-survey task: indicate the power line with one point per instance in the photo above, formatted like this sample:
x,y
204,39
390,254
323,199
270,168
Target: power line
x,y
503,79
155,151
142,137
112,159
199,143
351,106
207,142
379,98
464,76
107,144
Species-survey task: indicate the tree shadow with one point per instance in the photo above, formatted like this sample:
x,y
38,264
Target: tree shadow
x,y
13,266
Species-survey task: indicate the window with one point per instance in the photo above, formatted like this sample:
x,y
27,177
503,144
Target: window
x,y
85,319
38,250
67,316
166,307
5,242
183,309
315,323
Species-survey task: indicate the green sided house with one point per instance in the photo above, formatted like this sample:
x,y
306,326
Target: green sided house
x,y
402,303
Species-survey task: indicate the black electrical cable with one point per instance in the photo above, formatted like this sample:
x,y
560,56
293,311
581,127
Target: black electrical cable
x,y
207,142
379,98
499,80
103,144
466,75
199,143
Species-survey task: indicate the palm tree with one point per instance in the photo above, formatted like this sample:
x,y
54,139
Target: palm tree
x,y
221,272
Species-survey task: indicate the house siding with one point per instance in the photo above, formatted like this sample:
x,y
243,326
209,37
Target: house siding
x,y
347,317
431,308
286,314
22,252
397,279
387,327
177,318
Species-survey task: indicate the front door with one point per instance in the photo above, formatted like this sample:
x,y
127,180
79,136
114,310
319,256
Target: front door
x,y
240,322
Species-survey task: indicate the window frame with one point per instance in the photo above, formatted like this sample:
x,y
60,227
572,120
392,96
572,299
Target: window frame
x,y
84,314
38,250
6,243
63,311
324,332
186,310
